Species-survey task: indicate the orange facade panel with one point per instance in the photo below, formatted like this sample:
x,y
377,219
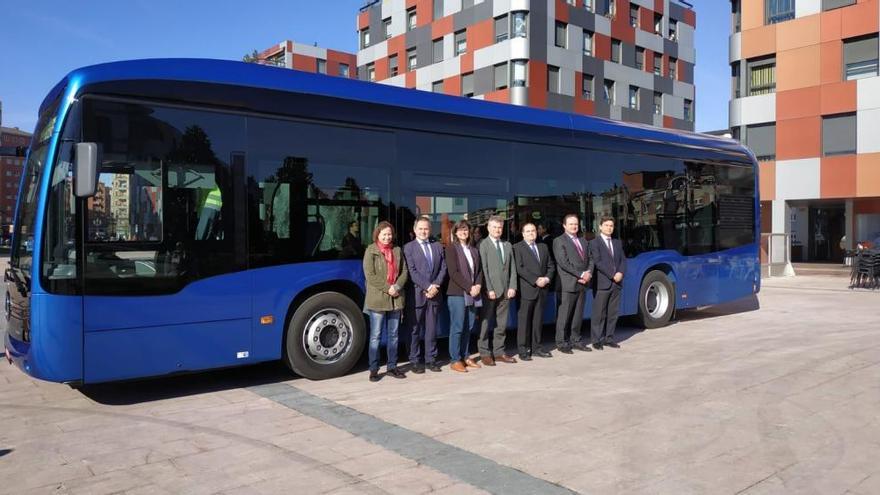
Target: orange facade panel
x,y
798,138
798,103
868,175
561,11
452,85
767,180
752,15
797,33
602,46
829,26
500,96
859,19
537,84
759,42
363,20
837,176
831,62
480,35
797,68
838,97
442,27
690,18
305,63
658,7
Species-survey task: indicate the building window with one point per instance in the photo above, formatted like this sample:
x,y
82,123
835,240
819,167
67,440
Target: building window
x,y
634,97
658,23
501,33
839,135
365,38
778,11
588,87
321,66
735,79
736,13
411,60
371,72
552,79
501,76
392,65
588,43
834,4
411,19
860,57
343,70
673,29
640,58
438,9
658,103
386,27
520,24
519,74
762,76
561,30
688,110
609,92
460,42
615,51
437,87
673,64
658,64
438,50
588,4
467,85
633,15
762,140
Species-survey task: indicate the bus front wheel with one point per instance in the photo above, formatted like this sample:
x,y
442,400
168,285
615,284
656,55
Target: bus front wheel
x,y
656,300
325,337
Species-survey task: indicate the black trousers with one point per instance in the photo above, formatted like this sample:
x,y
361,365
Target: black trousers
x,y
570,315
529,322
606,306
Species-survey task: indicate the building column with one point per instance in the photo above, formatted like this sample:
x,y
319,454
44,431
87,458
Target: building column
x,y
781,245
849,219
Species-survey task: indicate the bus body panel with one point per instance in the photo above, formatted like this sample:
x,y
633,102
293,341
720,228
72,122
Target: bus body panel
x,y
205,325
55,350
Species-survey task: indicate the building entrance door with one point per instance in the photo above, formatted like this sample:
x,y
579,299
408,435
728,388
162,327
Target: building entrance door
x,y
827,227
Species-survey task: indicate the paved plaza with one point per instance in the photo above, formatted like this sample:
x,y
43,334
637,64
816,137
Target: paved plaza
x,y
779,394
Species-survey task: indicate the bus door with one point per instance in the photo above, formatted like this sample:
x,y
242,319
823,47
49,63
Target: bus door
x,y
702,243
165,288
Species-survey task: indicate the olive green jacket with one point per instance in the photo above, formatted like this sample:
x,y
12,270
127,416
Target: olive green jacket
x,y
376,273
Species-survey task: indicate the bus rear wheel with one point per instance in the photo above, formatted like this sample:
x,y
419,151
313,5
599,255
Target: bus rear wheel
x,y
325,336
656,300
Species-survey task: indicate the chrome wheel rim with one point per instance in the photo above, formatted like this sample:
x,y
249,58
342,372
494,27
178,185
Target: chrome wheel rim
x,y
657,299
328,336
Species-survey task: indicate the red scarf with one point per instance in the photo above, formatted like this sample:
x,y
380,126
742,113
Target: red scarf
x,y
390,264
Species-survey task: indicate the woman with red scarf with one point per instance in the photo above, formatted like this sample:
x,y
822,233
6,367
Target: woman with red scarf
x,y
386,274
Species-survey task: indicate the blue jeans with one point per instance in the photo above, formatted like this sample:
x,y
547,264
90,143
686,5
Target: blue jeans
x,y
461,321
390,320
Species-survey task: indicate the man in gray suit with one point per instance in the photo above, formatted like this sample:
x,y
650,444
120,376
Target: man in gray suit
x,y
575,267
499,272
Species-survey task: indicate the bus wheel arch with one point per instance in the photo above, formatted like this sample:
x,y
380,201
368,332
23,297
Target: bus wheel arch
x,y
656,298
325,331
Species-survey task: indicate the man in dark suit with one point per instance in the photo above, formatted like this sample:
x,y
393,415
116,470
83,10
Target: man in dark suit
x,y
610,262
427,271
574,267
544,236
499,277
535,269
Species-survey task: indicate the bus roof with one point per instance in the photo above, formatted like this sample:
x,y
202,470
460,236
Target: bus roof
x,y
280,79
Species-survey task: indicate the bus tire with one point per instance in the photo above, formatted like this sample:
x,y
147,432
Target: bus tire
x,y
325,337
656,300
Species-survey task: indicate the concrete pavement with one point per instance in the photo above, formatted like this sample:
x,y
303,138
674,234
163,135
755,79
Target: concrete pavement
x,y
736,399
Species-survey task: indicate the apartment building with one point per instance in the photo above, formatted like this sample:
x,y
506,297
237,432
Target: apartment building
x,y
309,58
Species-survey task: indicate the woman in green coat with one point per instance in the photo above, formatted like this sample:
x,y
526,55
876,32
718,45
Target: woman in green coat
x,y
386,274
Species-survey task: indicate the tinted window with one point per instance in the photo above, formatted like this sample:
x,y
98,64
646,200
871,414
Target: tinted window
x,y
315,192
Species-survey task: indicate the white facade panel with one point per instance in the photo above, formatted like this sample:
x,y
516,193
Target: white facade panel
x,y
451,67
628,75
449,46
756,110
688,54
867,123
519,48
735,49
450,7
803,8
566,81
683,90
603,25
797,179
310,51
398,22
650,41
686,42
734,112
561,57
673,106
398,80
500,7
648,4
868,93
425,76
516,5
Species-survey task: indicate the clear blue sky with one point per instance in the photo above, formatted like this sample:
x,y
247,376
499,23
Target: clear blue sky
x,y
43,40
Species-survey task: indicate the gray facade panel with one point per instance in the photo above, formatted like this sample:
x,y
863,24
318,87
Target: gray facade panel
x,y
663,85
670,48
595,67
686,70
538,39
417,37
425,53
482,11
676,11
628,55
630,115
563,103
583,18
377,34
484,80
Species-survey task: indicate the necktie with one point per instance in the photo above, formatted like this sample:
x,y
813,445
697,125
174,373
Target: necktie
x,y
500,252
610,249
535,250
577,246
427,249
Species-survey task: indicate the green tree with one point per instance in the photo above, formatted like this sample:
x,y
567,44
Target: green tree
x,y
252,57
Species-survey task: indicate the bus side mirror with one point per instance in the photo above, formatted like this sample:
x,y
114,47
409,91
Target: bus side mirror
x,y
85,175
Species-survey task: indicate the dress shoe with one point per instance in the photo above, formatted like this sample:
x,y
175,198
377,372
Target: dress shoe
x,y
505,359
542,354
434,367
524,356
396,373
488,361
564,349
470,363
598,346
613,345
418,369
374,376
458,366
581,346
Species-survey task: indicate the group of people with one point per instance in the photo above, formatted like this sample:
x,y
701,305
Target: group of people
x,y
478,282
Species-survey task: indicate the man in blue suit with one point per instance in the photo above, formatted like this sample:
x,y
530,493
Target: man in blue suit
x,y
610,265
427,271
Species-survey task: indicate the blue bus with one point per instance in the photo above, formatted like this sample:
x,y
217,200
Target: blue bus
x,y
183,215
